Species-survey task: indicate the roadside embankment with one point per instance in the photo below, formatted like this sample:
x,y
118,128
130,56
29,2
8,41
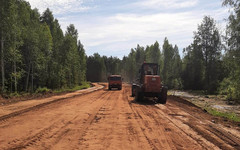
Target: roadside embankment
x,y
10,110
213,104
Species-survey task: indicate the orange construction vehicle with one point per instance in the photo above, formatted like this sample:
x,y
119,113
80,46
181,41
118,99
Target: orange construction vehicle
x,y
115,81
149,84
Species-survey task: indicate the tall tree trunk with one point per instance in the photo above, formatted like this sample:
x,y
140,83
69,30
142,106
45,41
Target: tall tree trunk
x,y
11,89
28,74
2,62
15,64
32,79
15,75
69,80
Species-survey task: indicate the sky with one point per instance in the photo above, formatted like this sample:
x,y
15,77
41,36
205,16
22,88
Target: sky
x,y
113,27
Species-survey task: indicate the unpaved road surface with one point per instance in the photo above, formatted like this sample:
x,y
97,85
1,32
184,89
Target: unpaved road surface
x,y
113,120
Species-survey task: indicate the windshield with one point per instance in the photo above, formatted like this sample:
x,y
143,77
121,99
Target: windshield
x,y
115,78
150,69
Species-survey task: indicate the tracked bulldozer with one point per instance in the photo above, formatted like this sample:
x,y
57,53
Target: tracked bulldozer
x,y
149,84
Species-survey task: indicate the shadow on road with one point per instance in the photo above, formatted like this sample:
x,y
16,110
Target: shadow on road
x,y
145,101
112,89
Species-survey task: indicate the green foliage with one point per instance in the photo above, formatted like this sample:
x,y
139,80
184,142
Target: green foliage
x,y
112,65
14,94
35,52
42,90
227,87
208,39
230,116
141,55
131,67
84,85
83,62
202,63
232,56
96,68
193,68
172,66
153,53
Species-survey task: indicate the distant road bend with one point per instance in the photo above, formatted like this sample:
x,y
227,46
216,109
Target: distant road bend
x,y
106,119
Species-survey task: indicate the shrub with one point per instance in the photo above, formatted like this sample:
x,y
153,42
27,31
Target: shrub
x,y
231,88
42,90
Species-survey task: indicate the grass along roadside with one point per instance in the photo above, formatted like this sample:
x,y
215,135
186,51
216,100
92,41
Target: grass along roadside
x,y
44,90
229,115
84,85
39,93
216,105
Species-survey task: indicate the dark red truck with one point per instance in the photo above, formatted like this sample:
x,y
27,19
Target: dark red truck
x,y
115,81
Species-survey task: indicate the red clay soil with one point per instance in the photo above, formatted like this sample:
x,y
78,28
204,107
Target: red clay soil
x,y
113,120
6,99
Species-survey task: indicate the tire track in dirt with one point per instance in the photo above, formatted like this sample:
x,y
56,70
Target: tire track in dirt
x,y
54,131
178,121
5,123
153,130
71,128
78,133
208,130
112,104
135,128
179,130
153,141
31,141
113,120
149,109
16,113
103,116
117,128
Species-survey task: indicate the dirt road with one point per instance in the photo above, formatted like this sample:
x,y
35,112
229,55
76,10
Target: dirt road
x,y
113,120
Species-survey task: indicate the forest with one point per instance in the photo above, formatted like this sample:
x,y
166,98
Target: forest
x,y
35,53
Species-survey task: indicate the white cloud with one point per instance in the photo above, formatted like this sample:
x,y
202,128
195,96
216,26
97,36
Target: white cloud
x,y
59,6
110,32
174,4
123,31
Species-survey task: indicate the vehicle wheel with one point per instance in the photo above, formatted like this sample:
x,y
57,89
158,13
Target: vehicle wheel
x,y
133,94
109,88
139,96
162,98
134,91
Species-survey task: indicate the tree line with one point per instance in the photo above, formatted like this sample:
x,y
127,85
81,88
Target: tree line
x,y
35,52
211,63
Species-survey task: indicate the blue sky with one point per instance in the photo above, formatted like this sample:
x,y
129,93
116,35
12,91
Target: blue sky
x,y
113,27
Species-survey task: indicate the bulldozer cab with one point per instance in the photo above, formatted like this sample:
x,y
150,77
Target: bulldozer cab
x,y
148,69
